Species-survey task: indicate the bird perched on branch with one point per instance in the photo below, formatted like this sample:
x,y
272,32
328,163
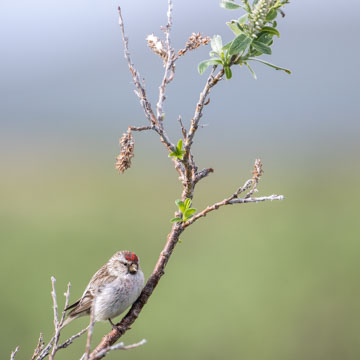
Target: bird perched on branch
x,y
112,289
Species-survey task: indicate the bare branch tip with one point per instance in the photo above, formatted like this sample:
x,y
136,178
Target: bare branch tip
x,y
13,353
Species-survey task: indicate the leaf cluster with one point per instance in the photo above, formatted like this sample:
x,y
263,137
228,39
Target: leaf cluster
x,y
178,152
253,36
186,210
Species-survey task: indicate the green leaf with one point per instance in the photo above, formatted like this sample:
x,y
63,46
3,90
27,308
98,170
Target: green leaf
x,y
178,153
180,144
228,72
271,65
227,46
187,203
240,43
180,205
243,19
265,38
178,202
216,44
203,66
229,5
188,213
206,63
234,27
271,15
270,30
251,70
176,219
264,49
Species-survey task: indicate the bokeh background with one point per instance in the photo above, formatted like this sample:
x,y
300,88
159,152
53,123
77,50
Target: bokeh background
x,y
262,281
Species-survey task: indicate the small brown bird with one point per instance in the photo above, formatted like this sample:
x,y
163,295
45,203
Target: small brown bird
x,y
111,290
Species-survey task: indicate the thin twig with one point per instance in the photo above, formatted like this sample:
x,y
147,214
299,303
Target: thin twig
x,y
169,67
13,353
67,297
141,93
141,128
55,306
120,346
58,325
46,350
233,199
135,75
89,336
231,202
201,174
39,347
211,82
183,130
69,341
51,348
56,321
188,183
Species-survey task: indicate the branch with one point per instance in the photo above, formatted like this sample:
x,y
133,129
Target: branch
x,y
40,345
190,169
183,130
201,174
89,336
52,347
58,324
141,128
70,340
188,175
13,353
231,202
211,81
233,199
121,346
141,93
169,66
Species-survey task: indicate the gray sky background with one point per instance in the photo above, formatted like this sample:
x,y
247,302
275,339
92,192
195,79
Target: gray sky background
x,y
64,79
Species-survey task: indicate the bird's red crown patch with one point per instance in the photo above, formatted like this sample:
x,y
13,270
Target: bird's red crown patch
x,y
130,256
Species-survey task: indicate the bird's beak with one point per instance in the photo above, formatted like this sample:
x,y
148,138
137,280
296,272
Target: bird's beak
x,y
133,268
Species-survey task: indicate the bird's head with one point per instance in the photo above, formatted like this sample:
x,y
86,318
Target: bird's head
x,y
125,262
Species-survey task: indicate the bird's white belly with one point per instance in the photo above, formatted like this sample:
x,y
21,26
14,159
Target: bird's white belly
x,y
115,298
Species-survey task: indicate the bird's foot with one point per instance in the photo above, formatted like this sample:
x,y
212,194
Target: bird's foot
x,y
114,326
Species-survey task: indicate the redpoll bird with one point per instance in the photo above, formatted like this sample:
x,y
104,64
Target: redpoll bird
x,y
111,290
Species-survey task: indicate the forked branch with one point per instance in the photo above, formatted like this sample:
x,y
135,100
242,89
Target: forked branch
x,y
184,164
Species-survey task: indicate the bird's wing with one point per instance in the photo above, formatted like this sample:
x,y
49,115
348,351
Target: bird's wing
x,y
81,306
97,282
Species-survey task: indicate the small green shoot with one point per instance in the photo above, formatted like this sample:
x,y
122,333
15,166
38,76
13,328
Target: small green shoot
x,y
186,210
179,152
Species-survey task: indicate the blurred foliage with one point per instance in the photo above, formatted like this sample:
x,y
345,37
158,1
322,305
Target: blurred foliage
x,y
259,281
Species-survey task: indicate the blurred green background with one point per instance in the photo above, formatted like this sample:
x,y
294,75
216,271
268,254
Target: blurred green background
x,y
258,281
